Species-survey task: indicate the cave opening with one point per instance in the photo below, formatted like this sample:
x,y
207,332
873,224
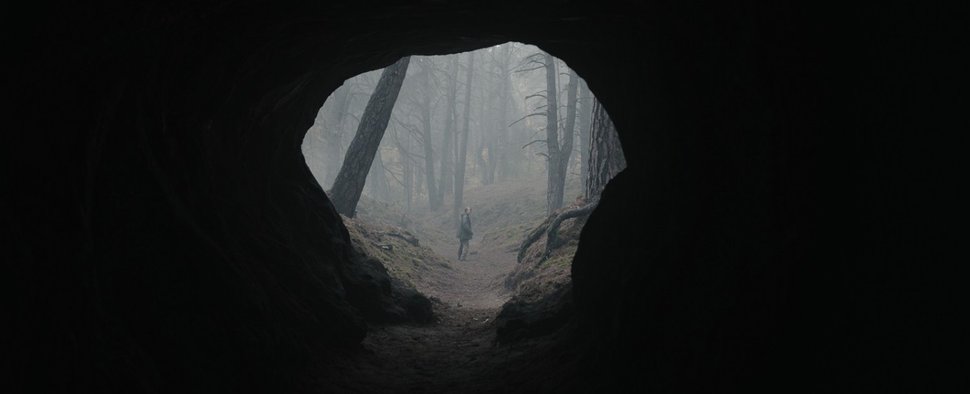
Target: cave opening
x,y
466,138
168,236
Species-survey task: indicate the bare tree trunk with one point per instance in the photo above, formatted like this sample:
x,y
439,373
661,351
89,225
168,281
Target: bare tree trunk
x,y
447,148
555,175
463,145
503,126
491,158
481,151
585,104
566,150
489,130
434,199
481,157
353,173
605,155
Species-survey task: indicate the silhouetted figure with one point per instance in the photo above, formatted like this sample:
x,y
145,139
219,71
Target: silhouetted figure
x,y
464,233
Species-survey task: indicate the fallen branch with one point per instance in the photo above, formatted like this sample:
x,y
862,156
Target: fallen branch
x,y
407,237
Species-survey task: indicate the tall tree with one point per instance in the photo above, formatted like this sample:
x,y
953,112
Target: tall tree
x,y
488,131
605,155
463,144
558,152
553,187
482,136
447,148
570,126
349,184
584,102
434,199
502,156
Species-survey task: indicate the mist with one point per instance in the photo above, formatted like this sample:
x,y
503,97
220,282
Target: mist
x,y
506,126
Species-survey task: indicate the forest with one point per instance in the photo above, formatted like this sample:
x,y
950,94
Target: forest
x,y
427,128
504,148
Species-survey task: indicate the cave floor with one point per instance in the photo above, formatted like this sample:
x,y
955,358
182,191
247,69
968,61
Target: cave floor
x,y
455,354
458,353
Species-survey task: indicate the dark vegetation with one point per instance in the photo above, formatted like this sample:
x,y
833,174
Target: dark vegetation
x,y
787,206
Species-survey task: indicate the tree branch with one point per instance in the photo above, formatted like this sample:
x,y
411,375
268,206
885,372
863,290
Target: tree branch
x,y
534,141
534,95
530,69
523,118
532,59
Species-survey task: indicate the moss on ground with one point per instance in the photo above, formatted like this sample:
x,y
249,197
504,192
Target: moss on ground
x,y
401,253
538,270
563,257
510,238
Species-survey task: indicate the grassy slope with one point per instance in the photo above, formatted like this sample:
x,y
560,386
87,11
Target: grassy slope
x,y
399,250
503,214
535,276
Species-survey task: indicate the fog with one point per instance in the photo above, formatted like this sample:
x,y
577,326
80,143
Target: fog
x,y
505,118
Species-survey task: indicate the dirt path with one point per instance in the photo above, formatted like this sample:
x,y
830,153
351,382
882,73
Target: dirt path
x,y
451,355
477,281
457,353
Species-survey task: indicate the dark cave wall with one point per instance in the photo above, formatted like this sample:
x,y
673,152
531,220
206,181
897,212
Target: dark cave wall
x,y
773,242
195,250
170,236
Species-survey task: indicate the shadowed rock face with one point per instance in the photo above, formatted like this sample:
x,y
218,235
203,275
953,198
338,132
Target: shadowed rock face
x,y
168,236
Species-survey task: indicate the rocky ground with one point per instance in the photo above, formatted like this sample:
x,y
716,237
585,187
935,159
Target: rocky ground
x,y
459,350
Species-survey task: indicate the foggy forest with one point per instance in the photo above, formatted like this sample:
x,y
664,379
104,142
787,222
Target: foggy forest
x,y
468,178
488,107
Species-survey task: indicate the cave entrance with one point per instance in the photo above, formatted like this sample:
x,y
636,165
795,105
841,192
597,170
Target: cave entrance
x,y
472,139
469,130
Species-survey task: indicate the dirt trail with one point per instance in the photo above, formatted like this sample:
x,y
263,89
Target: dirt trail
x,y
477,281
457,353
453,354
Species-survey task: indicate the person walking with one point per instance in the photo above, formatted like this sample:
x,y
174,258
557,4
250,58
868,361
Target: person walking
x,y
464,233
